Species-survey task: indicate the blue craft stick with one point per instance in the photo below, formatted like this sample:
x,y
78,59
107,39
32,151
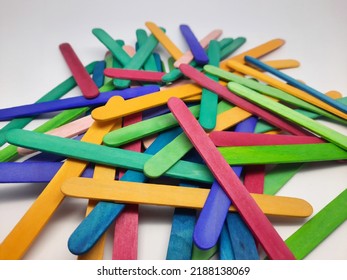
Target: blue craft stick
x,y
98,73
226,251
297,84
212,216
72,102
158,62
197,50
101,217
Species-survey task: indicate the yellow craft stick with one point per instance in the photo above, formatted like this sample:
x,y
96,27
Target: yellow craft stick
x,y
285,87
118,107
106,173
28,228
283,63
172,49
174,196
257,52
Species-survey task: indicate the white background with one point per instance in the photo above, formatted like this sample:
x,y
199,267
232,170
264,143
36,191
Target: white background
x,y
31,65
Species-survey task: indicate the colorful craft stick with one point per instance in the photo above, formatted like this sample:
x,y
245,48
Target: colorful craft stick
x,y
284,111
166,195
134,75
98,73
319,227
297,84
251,213
187,57
197,50
164,40
150,64
72,102
285,87
83,79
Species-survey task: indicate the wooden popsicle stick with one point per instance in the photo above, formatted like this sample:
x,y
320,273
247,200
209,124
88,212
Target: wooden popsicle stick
x,y
295,117
297,84
230,138
248,209
187,57
150,64
285,87
164,40
319,227
73,102
117,107
257,51
271,91
242,103
125,236
98,73
56,93
130,50
145,128
15,245
226,251
289,153
84,81
198,51
68,130
283,63
134,75
166,195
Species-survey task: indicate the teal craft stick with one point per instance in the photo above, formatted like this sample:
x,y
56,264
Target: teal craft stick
x,y
271,91
150,63
102,154
209,100
289,114
226,251
144,128
56,93
319,227
230,48
297,84
109,64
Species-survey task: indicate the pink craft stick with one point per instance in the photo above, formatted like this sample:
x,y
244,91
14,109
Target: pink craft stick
x,y
68,130
83,79
130,50
126,226
258,223
187,57
230,138
134,75
226,94
254,178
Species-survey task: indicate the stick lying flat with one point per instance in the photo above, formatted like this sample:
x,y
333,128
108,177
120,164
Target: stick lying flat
x,y
231,184
166,195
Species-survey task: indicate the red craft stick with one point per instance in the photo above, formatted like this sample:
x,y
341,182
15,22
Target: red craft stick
x,y
254,178
125,242
230,138
226,94
134,75
83,80
258,223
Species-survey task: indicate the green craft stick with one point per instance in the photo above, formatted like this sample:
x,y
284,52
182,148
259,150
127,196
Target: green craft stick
x,y
289,114
100,154
56,93
144,128
171,153
282,154
209,100
270,91
319,227
198,254
109,64
231,47
170,63
137,61
142,38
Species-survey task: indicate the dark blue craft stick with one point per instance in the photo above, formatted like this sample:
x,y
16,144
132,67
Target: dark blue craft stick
x,y
297,84
226,251
98,73
101,217
212,216
73,102
197,50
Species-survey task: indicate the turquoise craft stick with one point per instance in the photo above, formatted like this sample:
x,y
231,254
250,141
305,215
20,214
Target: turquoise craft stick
x,y
150,64
297,84
289,114
226,251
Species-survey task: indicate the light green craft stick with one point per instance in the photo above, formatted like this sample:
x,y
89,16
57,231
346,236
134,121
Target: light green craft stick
x,y
144,128
263,127
198,254
270,91
209,100
282,154
319,227
56,93
289,114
